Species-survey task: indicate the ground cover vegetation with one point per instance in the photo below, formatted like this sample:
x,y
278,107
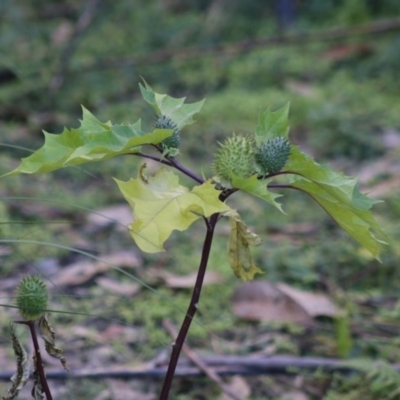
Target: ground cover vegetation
x,y
343,111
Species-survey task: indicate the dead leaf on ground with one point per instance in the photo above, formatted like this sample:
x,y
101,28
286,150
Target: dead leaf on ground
x,y
316,304
391,138
185,281
371,170
86,333
81,272
238,385
124,289
264,301
121,390
124,334
120,214
295,395
385,188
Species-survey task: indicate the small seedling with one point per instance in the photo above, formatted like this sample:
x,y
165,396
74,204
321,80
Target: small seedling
x,y
258,163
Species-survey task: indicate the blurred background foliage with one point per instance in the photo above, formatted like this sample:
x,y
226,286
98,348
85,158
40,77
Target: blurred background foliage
x,y
243,56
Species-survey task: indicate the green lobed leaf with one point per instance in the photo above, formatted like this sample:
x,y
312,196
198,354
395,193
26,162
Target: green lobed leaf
x,y
257,188
239,255
92,141
340,198
272,124
175,109
161,205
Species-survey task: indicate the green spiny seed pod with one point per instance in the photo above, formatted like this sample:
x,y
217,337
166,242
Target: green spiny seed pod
x,y
272,155
32,297
234,156
174,140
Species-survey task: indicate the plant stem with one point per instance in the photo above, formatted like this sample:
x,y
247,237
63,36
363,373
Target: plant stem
x,y
171,162
185,171
39,363
177,346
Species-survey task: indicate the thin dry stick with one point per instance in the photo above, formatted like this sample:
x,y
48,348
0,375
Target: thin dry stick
x,y
82,24
201,364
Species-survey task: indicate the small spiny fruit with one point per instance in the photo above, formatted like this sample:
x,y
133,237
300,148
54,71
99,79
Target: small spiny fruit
x,y
32,297
234,156
174,140
272,155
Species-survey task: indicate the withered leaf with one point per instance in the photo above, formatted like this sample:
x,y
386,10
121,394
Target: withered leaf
x,y
49,336
20,378
37,390
240,240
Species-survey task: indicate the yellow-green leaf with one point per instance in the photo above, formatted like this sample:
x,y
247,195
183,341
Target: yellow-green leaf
x,y
161,205
239,255
92,141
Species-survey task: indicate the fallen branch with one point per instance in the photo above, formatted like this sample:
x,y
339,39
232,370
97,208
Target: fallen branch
x,y
221,365
376,28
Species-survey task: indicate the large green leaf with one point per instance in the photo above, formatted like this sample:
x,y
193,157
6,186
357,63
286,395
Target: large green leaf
x,y
272,124
339,196
175,109
240,240
257,188
160,205
92,141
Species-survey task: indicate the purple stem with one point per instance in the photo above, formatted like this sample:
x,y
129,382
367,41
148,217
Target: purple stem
x,y
172,163
39,363
191,311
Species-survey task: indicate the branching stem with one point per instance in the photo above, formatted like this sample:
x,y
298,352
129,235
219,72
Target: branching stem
x,y
171,162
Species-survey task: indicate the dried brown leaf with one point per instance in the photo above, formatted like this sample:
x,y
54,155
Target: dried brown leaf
x,y
81,272
119,214
124,289
315,304
185,281
37,390
20,378
238,385
48,334
262,301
